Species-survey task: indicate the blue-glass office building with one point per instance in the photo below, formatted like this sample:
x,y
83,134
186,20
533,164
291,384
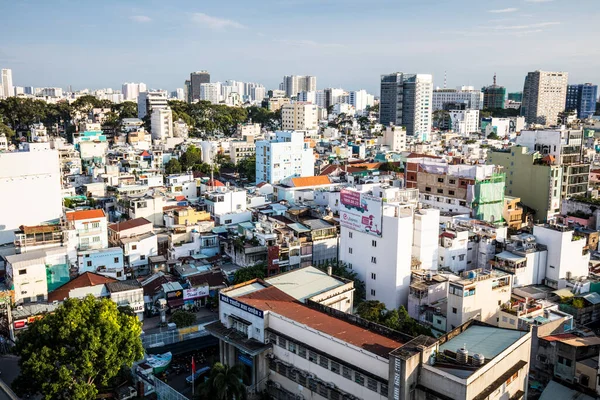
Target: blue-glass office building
x,y
582,98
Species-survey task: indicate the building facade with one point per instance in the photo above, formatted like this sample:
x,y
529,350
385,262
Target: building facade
x,y
544,97
196,79
288,155
299,116
582,98
468,95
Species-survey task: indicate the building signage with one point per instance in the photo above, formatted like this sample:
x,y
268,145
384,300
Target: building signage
x,y
245,359
137,307
194,293
361,212
177,294
241,306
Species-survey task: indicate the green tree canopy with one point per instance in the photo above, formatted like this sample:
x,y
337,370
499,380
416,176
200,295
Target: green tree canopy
x,y
173,166
190,157
224,383
69,354
245,274
5,130
398,320
183,318
247,167
126,109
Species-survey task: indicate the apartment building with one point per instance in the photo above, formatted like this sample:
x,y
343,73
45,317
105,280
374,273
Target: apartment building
x,y
512,212
148,101
91,227
162,124
299,116
474,189
544,97
524,258
137,239
468,95
394,137
106,262
464,122
531,177
288,155
582,98
128,293
376,217
239,150
294,84
227,204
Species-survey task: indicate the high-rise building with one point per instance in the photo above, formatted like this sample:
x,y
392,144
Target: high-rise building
x,y
544,97
516,96
299,116
178,94
210,92
293,84
6,83
132,90
473,99
196,79
582,98
332,96
288,155
406,100
494,96
187,91
162,123
147,101
360,100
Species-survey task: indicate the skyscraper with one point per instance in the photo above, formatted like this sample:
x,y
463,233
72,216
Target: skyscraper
x,y
582,98
406,100
544,97
131,90
494,96
294,84
196,79
6,84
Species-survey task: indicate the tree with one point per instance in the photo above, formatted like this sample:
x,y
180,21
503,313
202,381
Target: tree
x,y
5,130
372,310
224,383
82,345
493,136
190,157
173,166
183,318
398,320
247,168
258,271
126,109
391,167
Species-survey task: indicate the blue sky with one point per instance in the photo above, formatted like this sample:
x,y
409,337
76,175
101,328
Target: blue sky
x,y
345,43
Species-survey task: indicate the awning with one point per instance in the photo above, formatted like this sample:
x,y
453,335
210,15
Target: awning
x,y
175,303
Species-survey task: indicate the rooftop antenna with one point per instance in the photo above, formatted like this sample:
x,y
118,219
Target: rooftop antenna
x,y
494,79
445,76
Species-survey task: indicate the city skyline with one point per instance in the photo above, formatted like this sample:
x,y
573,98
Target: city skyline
x,y
161,45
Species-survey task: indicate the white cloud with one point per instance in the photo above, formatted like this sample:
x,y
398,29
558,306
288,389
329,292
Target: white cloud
x,y
524,27
215,22
503,10
308,43
140,18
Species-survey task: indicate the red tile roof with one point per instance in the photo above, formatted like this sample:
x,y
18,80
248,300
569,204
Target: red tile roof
x,y
215,183
129,224
87,279
84,214
180,198
277,301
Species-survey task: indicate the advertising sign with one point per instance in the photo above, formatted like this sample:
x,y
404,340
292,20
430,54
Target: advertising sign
x,y
194,293
241,306
361,212
177,294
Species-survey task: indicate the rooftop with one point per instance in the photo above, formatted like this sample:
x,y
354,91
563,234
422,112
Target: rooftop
x,y
130,224
276,301
310,181
304,283
87,279
84,214
122,286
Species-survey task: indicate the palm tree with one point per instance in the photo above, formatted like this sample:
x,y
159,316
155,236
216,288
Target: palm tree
x,y
224,383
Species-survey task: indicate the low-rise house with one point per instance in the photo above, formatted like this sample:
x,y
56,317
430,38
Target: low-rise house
x,y
128,293
84,285
91,227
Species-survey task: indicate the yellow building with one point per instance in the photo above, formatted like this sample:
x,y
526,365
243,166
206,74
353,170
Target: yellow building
x,y
190,216
512,212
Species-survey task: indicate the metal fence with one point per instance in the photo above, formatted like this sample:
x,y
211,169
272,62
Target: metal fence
x,y
166,392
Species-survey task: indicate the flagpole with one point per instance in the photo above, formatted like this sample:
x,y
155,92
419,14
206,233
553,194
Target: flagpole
x,y
193,373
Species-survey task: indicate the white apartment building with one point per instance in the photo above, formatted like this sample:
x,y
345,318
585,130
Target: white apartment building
x,y
360,100
299,116
464,122
425,237
288,155
544,97
249,131
525,259
376,239
136,238
227,205
468,95
477,295
106,262
25,178
393,137
294,84
128,293
162,123
453,249
147,101
567,258
6,83
28,276
211,92
91,227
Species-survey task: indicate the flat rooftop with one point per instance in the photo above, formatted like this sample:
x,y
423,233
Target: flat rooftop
x,y
274,300
304,283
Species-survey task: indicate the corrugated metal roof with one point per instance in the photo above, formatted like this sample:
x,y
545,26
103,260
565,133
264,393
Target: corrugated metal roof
x,y
592,297
507,255
304,283
299,228
486,340
555,390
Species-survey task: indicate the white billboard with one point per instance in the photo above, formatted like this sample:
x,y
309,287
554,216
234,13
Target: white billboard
x,y
361,212
194,293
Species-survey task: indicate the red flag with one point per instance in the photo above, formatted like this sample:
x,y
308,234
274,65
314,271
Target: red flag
x,y
193,366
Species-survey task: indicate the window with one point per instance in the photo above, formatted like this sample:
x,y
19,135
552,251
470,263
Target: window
x,y
346,372
463,203
372,384
440,180
95,224
142,257
282,342
312,385
227,221
440,191
512,378
373,275
383,390
372,292
335,367
292,347
350,235
512,321
302,351
96,239
358,378
349,250
324,362
374,259
350,265
134,247
452,181
23,271
374,243
312,357
89,263
454,310
451,192
116,260
461,257
428,189
323,391
504,319
240,326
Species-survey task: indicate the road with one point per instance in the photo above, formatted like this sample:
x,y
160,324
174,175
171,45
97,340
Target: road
x,y
9,369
